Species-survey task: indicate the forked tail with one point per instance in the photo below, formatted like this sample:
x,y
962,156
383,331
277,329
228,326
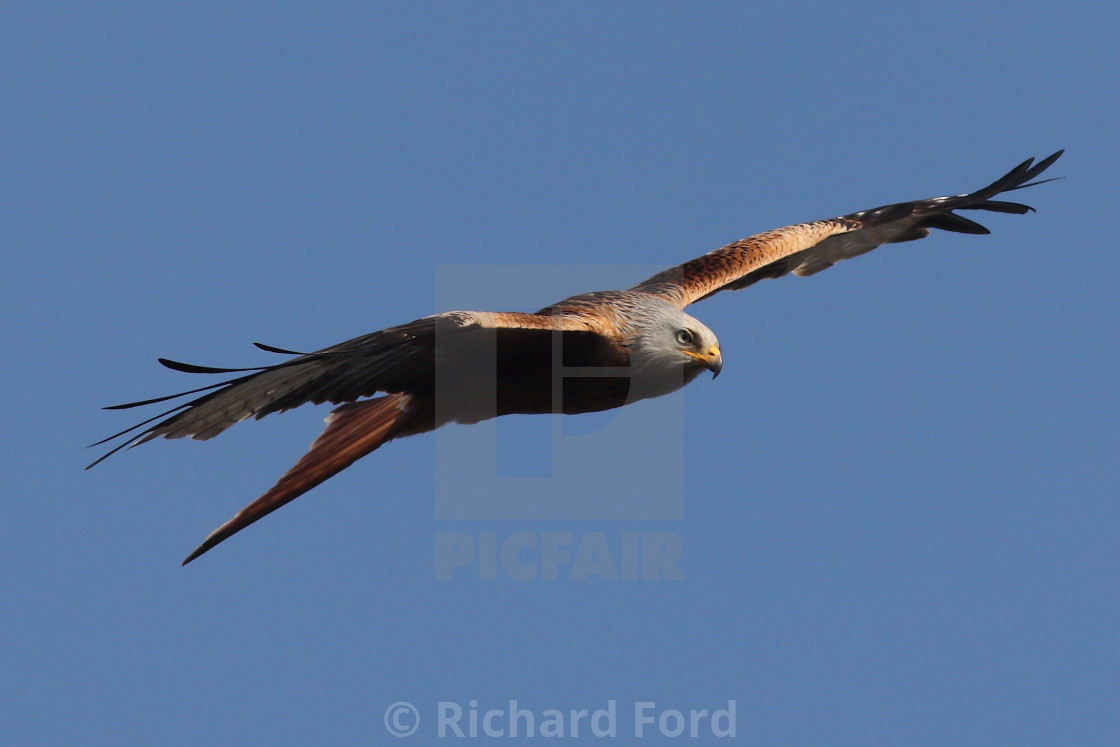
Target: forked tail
x,y
353,430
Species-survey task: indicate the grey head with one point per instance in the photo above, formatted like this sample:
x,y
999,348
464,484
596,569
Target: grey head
x,y
668,348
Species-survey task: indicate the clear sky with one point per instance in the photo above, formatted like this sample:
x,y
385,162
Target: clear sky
x,y
895,510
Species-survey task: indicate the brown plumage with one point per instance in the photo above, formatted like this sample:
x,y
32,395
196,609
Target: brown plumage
x,y
587,353
807,248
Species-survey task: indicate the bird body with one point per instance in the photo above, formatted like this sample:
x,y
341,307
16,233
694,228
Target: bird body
x,y
588,353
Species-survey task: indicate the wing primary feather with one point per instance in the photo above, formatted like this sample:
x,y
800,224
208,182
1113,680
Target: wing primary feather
x,y
192,368
998,206
132,441
1035,183
954,222
129,405
281,351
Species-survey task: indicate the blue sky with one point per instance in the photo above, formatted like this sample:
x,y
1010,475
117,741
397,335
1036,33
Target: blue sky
x,y
897,505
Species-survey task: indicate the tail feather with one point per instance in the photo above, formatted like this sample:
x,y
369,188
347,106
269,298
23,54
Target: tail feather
x,y
352,431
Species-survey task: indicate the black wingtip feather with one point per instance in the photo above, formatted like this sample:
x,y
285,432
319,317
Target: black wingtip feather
x,y
938,212
1019,177
1046,163
138,425
955,223
194,369
1000,206
1035,183
141,403
281,351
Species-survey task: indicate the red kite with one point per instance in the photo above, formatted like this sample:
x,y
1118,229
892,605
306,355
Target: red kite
x,y
587,353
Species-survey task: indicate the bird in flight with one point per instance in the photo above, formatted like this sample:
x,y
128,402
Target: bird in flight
x,y
591,352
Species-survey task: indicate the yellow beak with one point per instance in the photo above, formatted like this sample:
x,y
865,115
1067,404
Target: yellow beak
x,y
712,360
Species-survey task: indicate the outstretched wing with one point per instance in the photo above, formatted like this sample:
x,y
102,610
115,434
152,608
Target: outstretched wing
x,y
392,360
400,359
808,248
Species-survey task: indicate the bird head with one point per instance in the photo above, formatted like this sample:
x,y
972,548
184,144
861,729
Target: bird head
x,y
669,348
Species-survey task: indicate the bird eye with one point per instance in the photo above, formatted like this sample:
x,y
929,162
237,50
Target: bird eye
x,y
684,337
